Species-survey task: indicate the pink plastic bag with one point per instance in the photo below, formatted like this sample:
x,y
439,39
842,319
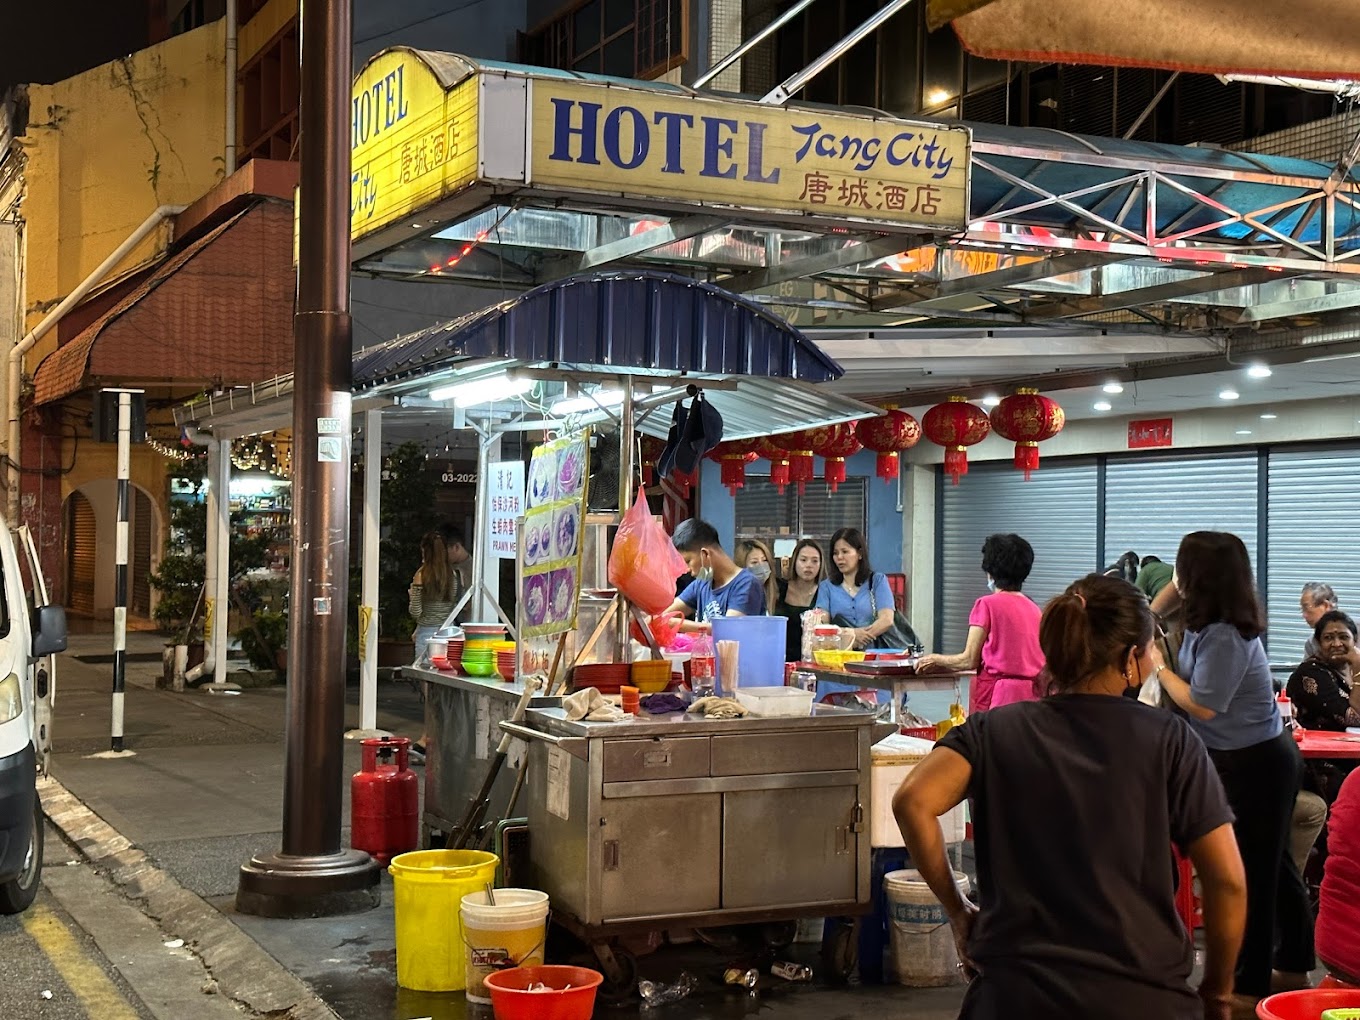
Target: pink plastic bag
x,y
643,563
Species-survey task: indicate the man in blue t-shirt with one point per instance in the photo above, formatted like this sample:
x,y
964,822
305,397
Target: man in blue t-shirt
x,y
720,587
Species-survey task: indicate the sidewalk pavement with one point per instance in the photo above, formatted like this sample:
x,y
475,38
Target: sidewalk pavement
x,y
203,792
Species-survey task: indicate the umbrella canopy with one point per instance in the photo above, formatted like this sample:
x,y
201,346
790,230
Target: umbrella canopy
x,y
1317,39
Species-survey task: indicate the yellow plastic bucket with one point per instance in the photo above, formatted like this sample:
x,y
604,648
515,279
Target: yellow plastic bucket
x,y
427,888
508,933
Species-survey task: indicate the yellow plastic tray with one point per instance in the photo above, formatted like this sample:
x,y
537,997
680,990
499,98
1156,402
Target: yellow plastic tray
x,y
836,659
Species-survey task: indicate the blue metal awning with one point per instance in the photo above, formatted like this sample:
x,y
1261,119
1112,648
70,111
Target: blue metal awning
x,y
636,322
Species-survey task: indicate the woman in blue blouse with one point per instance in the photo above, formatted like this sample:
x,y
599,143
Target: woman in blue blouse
x,y
1222,683
853,596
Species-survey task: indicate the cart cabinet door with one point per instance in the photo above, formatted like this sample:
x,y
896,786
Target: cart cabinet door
x,y
660,855
783,848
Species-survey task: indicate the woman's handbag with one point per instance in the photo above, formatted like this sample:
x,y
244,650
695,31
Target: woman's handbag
x,y
900,634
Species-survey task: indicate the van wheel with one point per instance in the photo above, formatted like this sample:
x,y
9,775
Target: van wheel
x,y
17,894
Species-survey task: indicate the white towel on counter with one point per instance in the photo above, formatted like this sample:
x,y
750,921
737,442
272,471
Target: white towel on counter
x,y
592,706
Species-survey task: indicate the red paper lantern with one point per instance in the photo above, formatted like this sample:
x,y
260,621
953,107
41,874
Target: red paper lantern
x,y
779,463
956,425
733,456
652,448
834,443
888,435
1027,419
798,445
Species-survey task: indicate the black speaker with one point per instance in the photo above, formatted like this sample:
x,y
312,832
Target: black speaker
x,y
106,417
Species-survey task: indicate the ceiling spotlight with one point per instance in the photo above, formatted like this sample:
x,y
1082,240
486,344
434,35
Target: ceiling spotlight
x,y
991,400
1102,405
1113,387
1244,432
1259,371
1228,394
1269,417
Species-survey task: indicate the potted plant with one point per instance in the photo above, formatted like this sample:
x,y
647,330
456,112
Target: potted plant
x,y
408,512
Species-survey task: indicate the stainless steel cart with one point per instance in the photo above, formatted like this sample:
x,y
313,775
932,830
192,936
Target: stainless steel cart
x,y
679,821
462,721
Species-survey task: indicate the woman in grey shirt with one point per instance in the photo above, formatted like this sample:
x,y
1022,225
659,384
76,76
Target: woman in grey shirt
x,y
1223,685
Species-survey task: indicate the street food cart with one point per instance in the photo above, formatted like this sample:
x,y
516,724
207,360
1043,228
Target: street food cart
x,y
674,820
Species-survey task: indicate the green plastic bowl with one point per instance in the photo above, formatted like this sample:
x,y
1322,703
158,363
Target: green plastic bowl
x,y
476,667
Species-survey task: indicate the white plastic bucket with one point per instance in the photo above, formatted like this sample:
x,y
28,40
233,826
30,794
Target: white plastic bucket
x,y
923,952
509,934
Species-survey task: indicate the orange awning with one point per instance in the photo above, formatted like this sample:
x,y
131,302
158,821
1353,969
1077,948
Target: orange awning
x,y
1302,39
219,311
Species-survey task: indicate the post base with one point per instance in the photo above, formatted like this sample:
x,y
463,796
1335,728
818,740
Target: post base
x,y
282,885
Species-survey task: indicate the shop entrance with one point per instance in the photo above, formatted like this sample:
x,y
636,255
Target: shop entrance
x,y
91,513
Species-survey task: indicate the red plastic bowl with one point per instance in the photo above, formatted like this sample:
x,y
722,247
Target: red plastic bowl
x,y
1307,1004
511,1001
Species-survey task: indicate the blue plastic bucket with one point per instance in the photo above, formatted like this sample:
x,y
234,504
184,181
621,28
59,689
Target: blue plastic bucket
x,y
760,657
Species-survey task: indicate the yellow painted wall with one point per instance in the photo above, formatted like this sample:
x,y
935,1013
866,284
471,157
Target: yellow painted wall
x,y
268,22
105,149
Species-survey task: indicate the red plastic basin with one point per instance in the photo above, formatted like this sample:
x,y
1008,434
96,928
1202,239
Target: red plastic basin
x,y
511,1001
1307,1004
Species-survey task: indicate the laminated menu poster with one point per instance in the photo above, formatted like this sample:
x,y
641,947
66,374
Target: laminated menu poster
x,y
550,581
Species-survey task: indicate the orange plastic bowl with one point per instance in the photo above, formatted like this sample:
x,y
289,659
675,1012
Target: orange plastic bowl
x,y
511,1000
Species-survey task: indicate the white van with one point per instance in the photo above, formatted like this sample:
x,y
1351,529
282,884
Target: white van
x,y
31,633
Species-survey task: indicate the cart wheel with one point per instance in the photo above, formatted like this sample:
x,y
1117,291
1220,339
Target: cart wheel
x,y
840,951
779,934
620,970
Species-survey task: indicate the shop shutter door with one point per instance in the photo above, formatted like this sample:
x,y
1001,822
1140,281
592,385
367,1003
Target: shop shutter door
x,y
140,567
1151,503
761,512
1314,536
1055,511
80,552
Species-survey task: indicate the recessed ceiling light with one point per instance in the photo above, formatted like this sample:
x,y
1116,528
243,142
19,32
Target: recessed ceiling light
x,y
1228,394
1113,387
1269,417
1244,432
1259,371
1102,405
991,400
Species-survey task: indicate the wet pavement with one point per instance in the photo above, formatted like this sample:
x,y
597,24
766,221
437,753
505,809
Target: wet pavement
x,y
204,792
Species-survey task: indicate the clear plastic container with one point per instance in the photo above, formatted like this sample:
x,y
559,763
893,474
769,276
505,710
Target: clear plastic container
x,y
780,702
826,637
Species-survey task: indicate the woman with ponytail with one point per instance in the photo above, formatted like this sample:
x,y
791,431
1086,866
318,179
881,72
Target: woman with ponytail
x,y
1076,801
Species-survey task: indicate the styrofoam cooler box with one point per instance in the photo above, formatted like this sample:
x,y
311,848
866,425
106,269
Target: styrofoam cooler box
x,y
893,757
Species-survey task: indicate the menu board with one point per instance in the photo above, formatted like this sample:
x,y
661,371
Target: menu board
x,y
550,582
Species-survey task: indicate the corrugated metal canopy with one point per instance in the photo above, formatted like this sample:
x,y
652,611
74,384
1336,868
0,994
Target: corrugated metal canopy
x,y
639,322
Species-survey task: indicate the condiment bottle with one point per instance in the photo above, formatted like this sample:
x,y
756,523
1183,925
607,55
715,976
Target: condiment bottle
x,y
702,667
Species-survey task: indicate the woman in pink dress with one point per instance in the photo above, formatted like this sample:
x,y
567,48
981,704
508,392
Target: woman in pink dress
x,y
1003,631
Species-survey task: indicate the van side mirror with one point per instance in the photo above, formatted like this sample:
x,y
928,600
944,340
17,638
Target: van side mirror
x,y
49,631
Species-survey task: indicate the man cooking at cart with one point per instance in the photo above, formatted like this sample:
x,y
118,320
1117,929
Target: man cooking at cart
x,y
720,587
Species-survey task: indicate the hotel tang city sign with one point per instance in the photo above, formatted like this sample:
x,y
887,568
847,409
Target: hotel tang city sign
x,y
427,127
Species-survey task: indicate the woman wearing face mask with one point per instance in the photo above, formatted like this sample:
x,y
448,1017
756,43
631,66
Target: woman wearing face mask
x,y
1084,925
755,556
798,594
1003,631
1222,683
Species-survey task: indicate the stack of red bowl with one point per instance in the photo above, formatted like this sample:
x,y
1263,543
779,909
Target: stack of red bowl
x,y
455,655
505,659
606,677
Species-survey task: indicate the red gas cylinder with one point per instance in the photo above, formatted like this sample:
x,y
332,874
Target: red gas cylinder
x,y
384,800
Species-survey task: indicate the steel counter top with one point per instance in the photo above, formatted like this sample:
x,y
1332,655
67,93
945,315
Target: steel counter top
x,y
553,721
492,685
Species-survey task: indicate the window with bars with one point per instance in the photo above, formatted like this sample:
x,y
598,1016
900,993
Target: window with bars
x,y
763,513
624,38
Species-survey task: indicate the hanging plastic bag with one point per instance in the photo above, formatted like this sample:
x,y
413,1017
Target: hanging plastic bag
x,y
643,564
957,717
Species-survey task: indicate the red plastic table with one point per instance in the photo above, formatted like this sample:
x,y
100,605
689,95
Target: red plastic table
x,y
1330,744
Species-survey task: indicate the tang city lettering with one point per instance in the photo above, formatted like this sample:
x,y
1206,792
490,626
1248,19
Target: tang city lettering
x,y
582,132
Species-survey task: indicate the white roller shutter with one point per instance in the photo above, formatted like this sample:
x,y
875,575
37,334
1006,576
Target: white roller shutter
x,y
1314,536
1151,503
1055,511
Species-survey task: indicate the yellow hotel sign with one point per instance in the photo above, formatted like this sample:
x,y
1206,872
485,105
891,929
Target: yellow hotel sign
x,y
419,136
412,142
653,144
